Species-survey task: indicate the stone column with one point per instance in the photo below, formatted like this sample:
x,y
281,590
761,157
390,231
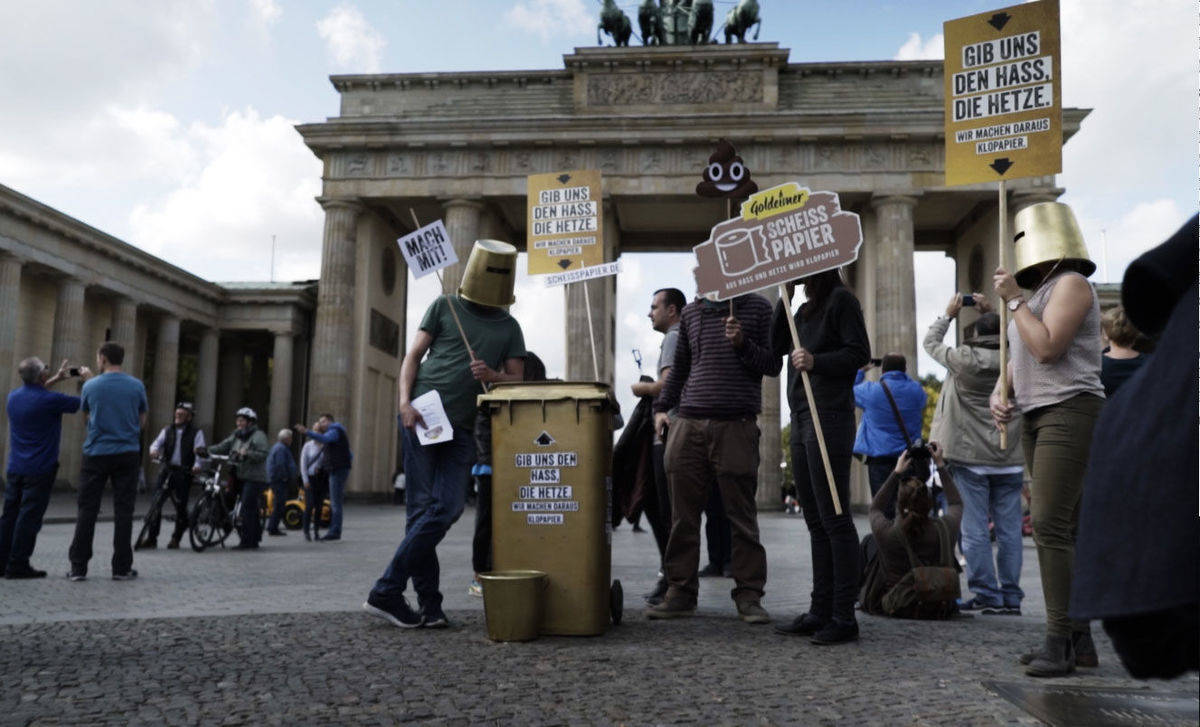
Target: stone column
x,y
206,382
124,332
69,343
602,292
166,373
333,346
10,309
770,449
281,383
463,222
895,287
232,368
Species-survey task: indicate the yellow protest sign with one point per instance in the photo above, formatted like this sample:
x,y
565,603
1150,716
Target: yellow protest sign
x,y
1003,94
564,221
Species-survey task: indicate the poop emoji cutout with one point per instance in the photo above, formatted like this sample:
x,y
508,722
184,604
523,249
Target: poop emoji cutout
x,y
726,175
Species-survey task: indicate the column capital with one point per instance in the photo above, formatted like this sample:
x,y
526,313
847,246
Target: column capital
x,y
909,198
452,202
340,203
8,256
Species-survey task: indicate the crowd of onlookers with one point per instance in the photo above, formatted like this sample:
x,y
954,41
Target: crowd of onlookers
x,y
115,406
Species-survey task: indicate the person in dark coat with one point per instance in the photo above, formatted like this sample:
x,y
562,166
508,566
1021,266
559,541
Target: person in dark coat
x,y
1136,560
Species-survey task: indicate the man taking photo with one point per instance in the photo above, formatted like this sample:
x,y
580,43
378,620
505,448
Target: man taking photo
x,y
892,416
35,427
115,404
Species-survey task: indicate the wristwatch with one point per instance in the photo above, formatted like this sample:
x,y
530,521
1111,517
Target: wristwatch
x,y
1014,303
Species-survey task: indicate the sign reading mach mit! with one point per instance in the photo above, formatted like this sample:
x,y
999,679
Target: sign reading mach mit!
x,y
1003,94
427,249
783,233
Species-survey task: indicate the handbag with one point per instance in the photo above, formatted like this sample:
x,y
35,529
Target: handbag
x,y
925,591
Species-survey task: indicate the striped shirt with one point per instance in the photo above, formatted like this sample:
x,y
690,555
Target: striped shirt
x,y
709,379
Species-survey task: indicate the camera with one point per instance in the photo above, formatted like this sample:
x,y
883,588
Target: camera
x,y
73,371
920,459
968,300
876,362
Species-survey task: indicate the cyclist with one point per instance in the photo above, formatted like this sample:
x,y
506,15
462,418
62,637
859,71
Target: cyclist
x,y
247,447
176,447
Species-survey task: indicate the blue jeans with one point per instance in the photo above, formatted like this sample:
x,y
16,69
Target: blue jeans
x,y
25,501
337,492
435,492
1000,497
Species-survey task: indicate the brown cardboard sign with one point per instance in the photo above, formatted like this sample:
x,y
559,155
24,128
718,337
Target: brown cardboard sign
x,y
783,233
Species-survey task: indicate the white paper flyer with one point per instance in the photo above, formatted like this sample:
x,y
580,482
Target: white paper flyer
x,y
437,427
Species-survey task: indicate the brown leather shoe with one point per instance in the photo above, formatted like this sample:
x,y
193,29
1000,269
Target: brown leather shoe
x,y
671,608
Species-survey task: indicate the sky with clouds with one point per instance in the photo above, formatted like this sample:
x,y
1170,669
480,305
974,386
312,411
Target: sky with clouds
x,y
170,124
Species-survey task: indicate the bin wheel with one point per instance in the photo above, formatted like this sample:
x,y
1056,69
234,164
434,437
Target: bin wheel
x,y
616,602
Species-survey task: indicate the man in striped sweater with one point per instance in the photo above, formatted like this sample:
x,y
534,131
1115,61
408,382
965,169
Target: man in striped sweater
x,y
716,383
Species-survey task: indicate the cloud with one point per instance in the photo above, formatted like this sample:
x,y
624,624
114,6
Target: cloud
x,y
1136,151
266,12
1116,241
551,19
915,49
350,40
251,180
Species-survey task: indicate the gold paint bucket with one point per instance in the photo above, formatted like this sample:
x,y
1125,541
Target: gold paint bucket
x,y
513,604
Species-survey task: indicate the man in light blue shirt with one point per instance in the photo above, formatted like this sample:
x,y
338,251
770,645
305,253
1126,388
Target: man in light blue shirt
x,y
115,405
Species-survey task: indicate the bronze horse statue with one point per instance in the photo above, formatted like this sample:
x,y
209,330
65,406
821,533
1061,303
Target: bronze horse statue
x,y
615,22
700,22
650,22
739,20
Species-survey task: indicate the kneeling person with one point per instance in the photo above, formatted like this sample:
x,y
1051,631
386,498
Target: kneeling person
x,y
436,475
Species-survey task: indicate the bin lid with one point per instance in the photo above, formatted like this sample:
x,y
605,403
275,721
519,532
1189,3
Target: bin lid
x,y
549,391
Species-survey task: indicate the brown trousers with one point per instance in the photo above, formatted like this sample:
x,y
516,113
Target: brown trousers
x,y
701,451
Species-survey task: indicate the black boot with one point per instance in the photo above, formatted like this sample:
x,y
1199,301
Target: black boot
x,y
1056,660
1085,649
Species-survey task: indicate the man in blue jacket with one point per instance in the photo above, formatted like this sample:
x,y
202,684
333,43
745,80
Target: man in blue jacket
x,y
880,438
35,427
281,470
337,459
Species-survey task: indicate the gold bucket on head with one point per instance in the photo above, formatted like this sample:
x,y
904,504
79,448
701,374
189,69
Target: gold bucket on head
x,y
490,275
1047,233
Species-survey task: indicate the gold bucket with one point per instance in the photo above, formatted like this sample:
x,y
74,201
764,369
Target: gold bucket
x,y
513,604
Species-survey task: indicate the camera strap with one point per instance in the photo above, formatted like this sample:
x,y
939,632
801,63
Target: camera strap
x,y
896,413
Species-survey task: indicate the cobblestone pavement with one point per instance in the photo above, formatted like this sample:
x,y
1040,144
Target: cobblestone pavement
x,y
276,636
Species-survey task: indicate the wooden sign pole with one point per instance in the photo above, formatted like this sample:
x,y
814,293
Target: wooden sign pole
x,y
450,303
812,404
587,303
1001,234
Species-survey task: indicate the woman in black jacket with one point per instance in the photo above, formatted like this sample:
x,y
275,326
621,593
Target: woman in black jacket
x,y
833,346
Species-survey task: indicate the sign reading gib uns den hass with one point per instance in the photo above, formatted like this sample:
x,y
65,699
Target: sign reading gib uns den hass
x,y
1003,94
564,222
783,233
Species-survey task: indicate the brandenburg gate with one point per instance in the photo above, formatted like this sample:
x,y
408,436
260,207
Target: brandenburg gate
x,y
459,146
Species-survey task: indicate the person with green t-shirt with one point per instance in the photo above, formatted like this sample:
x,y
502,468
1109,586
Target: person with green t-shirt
x,y
436,475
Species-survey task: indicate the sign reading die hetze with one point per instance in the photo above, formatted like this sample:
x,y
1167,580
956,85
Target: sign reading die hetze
x,y
427,249
1003,94
564,222
783,233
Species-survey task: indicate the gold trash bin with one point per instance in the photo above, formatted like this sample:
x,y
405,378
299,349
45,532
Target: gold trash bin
x,y
513,604
551,497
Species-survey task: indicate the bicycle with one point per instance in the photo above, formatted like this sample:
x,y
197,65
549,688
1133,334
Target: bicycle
x,y
155,512
210,520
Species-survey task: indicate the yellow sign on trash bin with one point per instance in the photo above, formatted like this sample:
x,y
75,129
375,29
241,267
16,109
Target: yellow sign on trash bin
x,y
551,496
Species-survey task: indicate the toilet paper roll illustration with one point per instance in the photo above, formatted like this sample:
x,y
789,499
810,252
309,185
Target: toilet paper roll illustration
x,y
741,250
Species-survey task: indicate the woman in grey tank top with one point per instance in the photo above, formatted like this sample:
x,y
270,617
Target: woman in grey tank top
x,y
1054,384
